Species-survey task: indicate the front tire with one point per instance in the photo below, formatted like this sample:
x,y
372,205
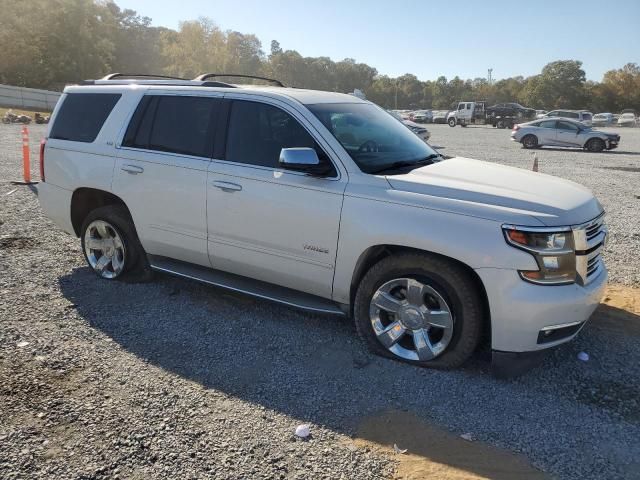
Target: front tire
x,y
420,309
111,246
595,145
530,141
452,122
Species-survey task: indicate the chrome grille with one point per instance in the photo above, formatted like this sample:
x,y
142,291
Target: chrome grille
x,y
589,239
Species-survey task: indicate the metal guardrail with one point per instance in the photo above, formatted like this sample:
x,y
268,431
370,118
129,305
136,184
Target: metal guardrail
x,y
28,98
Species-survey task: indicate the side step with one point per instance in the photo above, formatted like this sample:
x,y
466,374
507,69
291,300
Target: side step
x,y
237,283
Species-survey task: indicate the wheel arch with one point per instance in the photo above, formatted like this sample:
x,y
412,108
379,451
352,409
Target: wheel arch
x,y
591,139
374,254
84,200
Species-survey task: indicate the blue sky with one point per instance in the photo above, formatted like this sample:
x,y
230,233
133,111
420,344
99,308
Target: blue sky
x,y
430,38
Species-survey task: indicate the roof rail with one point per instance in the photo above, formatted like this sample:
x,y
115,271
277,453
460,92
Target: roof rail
x,y
111,76
147,79
205,76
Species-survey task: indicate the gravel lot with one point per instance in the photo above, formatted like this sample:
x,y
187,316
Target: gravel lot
x,y
173,379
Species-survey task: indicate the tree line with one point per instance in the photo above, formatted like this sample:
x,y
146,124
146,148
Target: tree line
x,y
49,43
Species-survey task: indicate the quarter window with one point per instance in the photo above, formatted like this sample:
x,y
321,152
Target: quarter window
x,y
82,116
258,132
175,124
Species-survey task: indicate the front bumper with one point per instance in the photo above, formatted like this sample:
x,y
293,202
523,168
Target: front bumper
x,y
522,312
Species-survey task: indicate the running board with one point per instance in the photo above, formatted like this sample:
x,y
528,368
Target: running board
x,y
249,286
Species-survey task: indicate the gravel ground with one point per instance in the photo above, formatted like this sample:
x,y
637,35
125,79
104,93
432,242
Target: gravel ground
x,y
173,379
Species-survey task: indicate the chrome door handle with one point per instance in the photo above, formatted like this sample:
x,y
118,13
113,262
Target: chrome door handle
x,y
132,169
227,186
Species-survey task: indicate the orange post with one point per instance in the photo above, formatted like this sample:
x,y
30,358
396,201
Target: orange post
x,y
26,164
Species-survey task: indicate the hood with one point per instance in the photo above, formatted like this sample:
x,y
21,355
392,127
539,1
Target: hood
x,y
497,192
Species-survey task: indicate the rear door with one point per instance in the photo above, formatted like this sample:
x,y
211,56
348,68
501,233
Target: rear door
x,y
546,132
161,172
266,223
567,134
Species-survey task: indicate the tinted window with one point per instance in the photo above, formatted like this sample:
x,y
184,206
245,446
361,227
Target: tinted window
x,y
547,124
586,116
82,115
257,133
552,114
570,115
567,126
173,124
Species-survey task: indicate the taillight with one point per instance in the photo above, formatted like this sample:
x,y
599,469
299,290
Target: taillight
x,y
43,142
516,127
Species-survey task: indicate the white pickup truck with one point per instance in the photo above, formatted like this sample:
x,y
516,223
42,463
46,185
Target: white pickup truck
x,y
325,202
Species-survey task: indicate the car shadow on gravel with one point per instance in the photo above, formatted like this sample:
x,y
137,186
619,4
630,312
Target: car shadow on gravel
x,y
311,368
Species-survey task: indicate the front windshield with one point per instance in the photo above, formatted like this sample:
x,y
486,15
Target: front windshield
x,y
374,139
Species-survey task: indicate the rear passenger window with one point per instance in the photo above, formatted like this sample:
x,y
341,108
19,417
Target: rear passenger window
x,y
257,133
175,124
547,124
82,115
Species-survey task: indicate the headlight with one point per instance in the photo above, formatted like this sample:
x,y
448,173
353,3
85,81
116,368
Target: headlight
x,y
553,250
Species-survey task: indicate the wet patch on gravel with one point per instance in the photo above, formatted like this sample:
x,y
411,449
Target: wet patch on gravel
x,y
17,243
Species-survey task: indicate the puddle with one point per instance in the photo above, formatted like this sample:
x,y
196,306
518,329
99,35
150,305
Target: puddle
x,y
435,453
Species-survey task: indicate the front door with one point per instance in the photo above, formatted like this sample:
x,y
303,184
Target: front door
x,y
267,223
161,173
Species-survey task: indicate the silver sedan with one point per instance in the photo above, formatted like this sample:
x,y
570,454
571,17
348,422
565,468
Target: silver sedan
x,y
563,132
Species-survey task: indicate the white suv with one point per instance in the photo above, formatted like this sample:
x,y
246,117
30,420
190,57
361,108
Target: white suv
x,y
325,202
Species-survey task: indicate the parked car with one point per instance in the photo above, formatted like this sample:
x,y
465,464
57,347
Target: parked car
x,y
422,116
419,130
323,201
627,120
579,115
563,132
603,120
540,113
440,116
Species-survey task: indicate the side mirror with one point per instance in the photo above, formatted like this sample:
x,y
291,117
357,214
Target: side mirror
x,y
301,159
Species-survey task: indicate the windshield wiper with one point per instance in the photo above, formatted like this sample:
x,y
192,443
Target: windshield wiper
x,y
405,163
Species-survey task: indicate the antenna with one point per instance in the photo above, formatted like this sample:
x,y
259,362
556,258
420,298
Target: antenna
x,y
489,77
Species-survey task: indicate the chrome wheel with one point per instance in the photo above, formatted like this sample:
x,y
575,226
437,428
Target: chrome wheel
x,y
411,319
104,249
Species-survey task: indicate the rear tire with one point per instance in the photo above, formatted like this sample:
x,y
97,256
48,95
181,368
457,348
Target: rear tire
x,y
530,141
446,288
111,246
500,124
595,145
452,122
